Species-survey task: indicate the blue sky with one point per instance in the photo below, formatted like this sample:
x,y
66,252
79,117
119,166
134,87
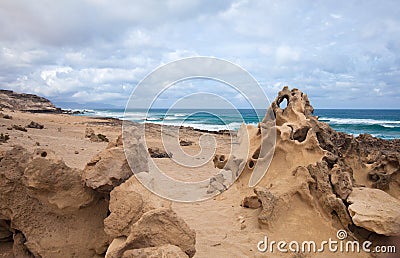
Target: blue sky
x,y
343,54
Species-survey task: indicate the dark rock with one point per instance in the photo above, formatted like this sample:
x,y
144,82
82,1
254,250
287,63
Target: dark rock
x,y
19,128
35,125
4,138
158,154
5,116
185,143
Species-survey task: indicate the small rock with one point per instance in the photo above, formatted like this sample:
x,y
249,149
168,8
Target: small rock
x,y
19,128
76,152
35,125
4,137
98,138
158,154
89,132
185,143
5,116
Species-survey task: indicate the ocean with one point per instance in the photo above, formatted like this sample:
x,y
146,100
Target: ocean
x,y
379,123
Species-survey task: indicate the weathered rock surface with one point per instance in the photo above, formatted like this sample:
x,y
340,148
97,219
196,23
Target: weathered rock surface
x,y
252,202
126,207
157,227
49,180
108,169
313,161
375,210
165,251
47,211
50,212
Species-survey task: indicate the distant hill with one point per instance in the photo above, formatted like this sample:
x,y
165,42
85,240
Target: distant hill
x,y
26,102
75,105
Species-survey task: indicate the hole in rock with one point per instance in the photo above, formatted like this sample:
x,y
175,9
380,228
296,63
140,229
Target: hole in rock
x,y
43,154
256,154
283,102
222,158
301,134
251,164
6,231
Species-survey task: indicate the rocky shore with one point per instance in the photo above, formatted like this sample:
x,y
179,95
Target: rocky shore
x,y
68,192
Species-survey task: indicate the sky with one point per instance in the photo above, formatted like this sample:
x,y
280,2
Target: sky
x,y
343,54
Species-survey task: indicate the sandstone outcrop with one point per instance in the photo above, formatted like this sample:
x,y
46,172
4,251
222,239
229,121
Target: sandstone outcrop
x,y
317,164
157,227
108,169
49,211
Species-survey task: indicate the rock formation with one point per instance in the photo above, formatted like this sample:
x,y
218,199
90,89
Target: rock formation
x,y
48,209
157,227
108,169
321,167
25,102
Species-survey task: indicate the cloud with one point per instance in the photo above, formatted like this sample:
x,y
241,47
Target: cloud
x,y
98,50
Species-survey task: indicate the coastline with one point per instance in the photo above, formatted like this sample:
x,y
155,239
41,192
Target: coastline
x,y
226,224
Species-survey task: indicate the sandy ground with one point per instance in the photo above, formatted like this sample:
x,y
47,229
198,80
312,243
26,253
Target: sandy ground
x,y
223,227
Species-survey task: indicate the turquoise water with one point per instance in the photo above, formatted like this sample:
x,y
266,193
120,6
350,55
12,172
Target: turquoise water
x,y
379,123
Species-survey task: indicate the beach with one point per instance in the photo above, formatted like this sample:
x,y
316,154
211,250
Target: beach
x,y
287,204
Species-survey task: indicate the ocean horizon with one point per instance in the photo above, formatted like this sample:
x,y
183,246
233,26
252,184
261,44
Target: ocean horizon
x,y
381,123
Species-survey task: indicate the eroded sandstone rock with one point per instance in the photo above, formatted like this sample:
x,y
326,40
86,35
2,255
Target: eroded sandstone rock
x,y
107,170
126,207
375,210
165,251
157,227
51,213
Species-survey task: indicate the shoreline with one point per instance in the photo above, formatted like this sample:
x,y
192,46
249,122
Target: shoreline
x,y
355,122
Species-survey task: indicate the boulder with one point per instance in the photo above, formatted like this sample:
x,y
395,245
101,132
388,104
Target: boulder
x,y
107,170
157,227
375,210
126,208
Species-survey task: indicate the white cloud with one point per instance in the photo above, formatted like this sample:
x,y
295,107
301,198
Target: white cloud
x,y
336,16
286,54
